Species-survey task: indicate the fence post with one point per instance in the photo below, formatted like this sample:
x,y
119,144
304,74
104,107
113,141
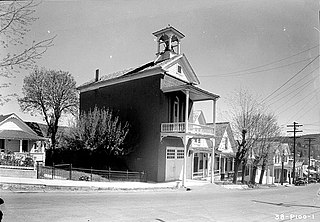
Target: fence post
x,y
52,170
38,168
70,173
91,173
127,175
109,173
143,175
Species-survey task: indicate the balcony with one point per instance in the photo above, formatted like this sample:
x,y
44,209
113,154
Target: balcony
x,y
193,128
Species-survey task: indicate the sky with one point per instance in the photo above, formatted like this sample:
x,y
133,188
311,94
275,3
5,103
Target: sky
x,y
267,47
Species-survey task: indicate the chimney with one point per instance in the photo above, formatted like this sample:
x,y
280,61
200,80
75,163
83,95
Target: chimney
x,y
97,75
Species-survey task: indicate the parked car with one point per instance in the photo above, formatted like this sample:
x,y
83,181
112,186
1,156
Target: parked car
x,y
313,180
300,181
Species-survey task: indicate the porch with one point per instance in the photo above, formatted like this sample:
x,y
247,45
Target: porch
x,y
187,130
180,127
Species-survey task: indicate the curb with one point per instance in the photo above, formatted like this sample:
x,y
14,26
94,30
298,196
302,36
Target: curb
x,y
46,188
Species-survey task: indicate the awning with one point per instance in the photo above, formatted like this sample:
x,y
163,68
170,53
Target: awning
x,y
225,154
196,94
19,135
311,171
201,149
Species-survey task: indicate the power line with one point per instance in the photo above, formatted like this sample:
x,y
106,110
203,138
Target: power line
x,y
302,87
302,106
289,107
264,70
312,124
290,79
294,85
299,102
315,105
260,66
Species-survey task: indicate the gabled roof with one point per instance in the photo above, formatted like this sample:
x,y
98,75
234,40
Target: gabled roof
x,y
148,69
31,130
19,135
35,127
4,117
221,128
195,115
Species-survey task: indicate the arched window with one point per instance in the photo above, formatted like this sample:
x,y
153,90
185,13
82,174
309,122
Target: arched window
x,y
176,112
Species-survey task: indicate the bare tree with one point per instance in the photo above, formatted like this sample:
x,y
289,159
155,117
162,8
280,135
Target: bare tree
x,y
267,157
50,93
15,20
267,131
244,115
257,127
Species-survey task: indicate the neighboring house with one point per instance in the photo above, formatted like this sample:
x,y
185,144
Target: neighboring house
x,y
200,148
282,153
279,152
225,146
21,138
156,99
225,150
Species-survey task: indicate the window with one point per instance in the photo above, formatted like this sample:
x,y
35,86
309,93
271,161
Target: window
x,y
180,154
1,145
24,145
171,153
179,69
176,110
226,143
226,165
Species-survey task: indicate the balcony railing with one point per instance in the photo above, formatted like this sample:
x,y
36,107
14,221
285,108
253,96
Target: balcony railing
x,y
181,128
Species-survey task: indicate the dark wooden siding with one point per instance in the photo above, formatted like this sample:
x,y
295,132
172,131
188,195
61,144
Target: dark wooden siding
x,y
140,102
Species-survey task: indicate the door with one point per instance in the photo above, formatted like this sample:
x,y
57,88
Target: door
x,y
195,163
174,163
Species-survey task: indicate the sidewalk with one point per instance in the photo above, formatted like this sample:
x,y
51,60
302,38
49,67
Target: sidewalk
x,y
10,183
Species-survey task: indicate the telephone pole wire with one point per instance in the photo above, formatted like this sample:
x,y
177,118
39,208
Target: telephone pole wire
x,y
295,125
309,139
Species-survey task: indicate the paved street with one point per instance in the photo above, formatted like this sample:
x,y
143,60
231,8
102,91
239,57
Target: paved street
x,y
202,203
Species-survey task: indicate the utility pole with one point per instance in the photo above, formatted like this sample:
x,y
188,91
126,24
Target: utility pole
x,y
295,125
309,139
282,167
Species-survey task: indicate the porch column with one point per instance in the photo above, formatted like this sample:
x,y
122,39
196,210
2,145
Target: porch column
x,y
219,167
267,175
184,176
203,166
232,164
212,160
20,146
273,176
192,165
158,46
213,139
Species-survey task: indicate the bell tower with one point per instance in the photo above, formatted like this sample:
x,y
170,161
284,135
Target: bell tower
x,y
168,43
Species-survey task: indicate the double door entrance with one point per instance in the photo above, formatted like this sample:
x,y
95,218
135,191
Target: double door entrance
x,y
174,163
